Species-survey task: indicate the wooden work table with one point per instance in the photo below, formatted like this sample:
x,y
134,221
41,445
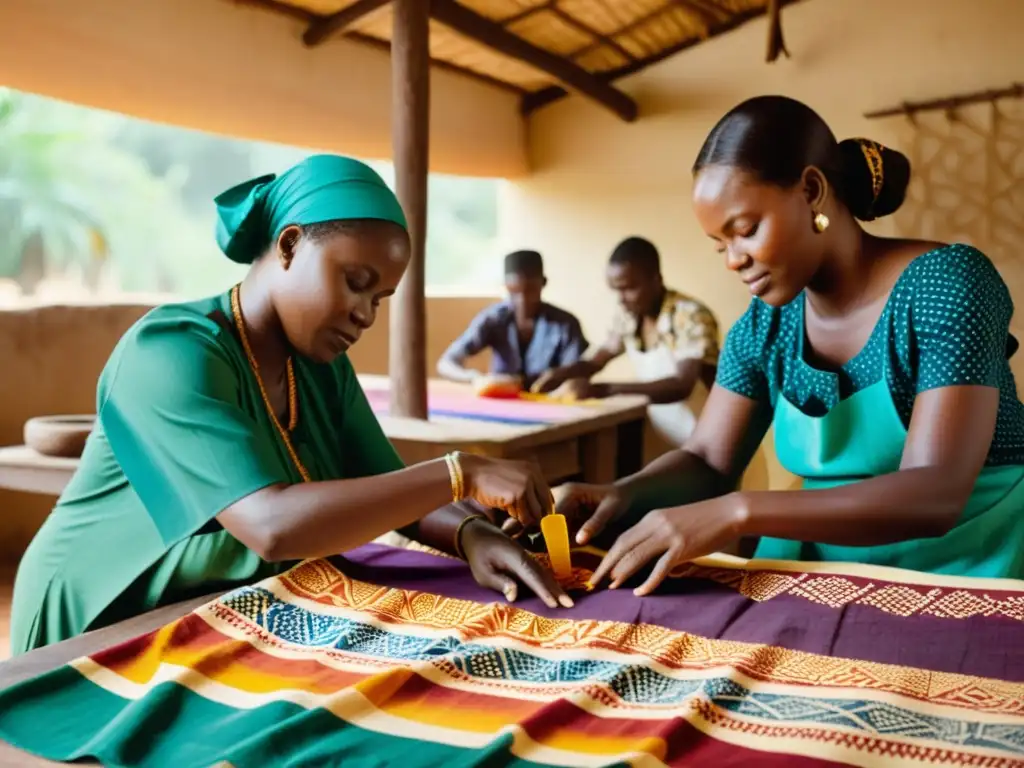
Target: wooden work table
x,y
22,469
604,441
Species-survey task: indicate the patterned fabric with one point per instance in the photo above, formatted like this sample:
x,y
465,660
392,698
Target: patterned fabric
x,y
684,325
946,323
447,399
557,340
399,656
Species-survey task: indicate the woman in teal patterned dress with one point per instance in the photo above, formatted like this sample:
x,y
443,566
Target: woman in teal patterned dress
x,y
881,363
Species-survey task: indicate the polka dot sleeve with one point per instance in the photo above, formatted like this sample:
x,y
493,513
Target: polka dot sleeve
x,y
960,316
740,365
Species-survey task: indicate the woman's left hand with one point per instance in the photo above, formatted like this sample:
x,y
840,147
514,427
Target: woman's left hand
x,y
499,563
674,536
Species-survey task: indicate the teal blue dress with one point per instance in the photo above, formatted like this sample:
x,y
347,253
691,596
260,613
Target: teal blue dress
x,y
946,323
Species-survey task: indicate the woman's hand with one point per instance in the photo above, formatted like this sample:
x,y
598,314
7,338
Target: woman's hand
x,y
581,389
499,563
516,487
677,534
590,508
548,381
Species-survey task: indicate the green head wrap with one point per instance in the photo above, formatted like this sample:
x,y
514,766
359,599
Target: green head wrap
x,y
321,188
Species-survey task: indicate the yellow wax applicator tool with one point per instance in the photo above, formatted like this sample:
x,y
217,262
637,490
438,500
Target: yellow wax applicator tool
x,y
556,537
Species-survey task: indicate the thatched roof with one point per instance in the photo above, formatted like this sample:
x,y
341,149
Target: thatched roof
x,y
542,48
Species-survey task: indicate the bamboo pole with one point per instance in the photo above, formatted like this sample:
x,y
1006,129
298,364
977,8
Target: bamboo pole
x,y
1015,91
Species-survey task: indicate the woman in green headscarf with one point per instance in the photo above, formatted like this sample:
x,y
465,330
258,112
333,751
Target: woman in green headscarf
x,y
233,439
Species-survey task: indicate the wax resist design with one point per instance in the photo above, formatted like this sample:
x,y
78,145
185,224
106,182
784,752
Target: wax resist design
x,y
324,660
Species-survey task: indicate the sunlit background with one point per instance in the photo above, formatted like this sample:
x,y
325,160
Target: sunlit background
x,y
97,206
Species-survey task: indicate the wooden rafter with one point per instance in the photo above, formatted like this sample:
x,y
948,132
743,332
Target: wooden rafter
x,y
495,36
710,15
537,99
600,37
714,18
309,18
325,26
635,24
527,12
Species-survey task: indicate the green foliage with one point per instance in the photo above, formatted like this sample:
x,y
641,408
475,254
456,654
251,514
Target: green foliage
x,y
88,192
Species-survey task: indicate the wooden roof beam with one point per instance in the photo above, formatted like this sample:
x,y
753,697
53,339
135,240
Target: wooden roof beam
x,y
536,99
495,36
327,26
710,15
635,24
527,12
582,26
274,6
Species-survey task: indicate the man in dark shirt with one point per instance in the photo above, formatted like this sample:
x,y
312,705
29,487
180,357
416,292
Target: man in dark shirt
x,y
526,336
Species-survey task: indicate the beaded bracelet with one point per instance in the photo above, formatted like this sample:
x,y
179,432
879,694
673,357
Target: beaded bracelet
x,y
458,533
456,476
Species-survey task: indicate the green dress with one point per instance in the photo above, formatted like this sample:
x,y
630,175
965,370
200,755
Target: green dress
x,y
181,434
946,323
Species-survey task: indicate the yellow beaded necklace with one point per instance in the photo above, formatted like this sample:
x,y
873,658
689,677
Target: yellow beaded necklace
x,y
293,398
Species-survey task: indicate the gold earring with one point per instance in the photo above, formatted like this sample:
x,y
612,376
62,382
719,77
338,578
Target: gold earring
x,y
821,222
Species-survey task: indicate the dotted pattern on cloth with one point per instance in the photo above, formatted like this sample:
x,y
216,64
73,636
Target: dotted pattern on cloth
x,y
946,323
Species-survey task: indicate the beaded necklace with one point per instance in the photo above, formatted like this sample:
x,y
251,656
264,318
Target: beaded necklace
x,y
293,399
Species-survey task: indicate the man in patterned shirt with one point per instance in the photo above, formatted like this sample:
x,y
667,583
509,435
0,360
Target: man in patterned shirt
x,y
670,339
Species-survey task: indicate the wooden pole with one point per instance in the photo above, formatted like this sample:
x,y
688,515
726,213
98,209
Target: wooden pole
x,y
1015,91
410,132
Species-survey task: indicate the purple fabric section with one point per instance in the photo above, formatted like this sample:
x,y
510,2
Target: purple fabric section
x,y
982,646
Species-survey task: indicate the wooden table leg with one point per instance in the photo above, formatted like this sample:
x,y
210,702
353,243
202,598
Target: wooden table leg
x,y
630,457
599,455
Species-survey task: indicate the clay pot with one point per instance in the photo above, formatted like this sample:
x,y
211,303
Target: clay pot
x,y
62,436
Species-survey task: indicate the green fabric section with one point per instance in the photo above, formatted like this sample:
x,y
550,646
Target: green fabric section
x,y
863,437
946,323
321,188
95,723
182,433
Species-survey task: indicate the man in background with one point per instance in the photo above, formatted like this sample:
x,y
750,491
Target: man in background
x,y
671,341
527,337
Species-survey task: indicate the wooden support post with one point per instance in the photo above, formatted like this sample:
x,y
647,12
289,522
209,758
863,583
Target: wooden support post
x,y
410,132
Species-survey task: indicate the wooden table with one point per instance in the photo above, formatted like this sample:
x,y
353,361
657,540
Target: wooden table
x,y
47,659
603,442
22,469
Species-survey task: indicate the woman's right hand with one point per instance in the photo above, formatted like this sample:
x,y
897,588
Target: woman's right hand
x,y
548,381
591,507
516,487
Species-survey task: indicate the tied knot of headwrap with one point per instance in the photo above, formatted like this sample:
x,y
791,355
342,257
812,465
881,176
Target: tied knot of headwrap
x,y
251,215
